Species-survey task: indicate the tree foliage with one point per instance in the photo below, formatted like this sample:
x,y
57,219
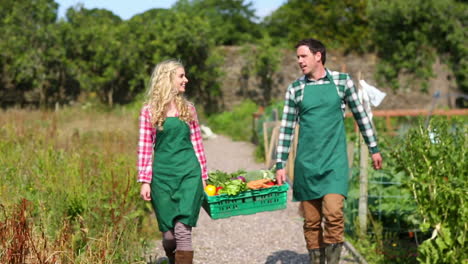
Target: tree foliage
x,y
31,53
103,59
409,35
94,53
263,60
232,20
339,24
184,36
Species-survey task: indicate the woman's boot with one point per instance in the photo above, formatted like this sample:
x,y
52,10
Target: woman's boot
x,y
183,257
169,248
170,254
317,256
333,253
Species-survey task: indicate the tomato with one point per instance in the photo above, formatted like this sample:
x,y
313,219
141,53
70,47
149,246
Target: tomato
x,y
210,190
217,189
270,183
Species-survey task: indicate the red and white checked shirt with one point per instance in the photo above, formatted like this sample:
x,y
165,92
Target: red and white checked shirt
x,y
148,137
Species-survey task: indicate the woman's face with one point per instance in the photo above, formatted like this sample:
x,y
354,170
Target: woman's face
x,y
180,80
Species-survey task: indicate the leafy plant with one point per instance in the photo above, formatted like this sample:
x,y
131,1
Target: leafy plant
x,y
434,159
237,123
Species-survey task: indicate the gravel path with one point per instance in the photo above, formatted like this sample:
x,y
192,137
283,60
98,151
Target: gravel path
x,y
267,237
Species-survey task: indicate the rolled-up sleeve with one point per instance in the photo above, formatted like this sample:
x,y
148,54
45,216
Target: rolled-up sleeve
x,y
360,115
145,147
197,142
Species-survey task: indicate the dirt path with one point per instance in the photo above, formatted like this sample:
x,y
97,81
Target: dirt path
x,y
263,238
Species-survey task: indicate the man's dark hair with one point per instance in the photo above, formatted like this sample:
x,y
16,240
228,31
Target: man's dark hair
x,y
314,46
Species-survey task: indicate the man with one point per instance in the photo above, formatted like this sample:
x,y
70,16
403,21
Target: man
x,y
317,102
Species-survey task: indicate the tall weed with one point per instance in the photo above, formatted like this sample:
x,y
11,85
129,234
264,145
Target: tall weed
x,y
71,176
434,160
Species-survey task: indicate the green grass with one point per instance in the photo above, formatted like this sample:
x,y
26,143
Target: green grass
x,y
68,190
237,123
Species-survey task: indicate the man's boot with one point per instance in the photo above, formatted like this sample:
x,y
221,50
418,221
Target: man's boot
x,y
317,256
333,253
183,257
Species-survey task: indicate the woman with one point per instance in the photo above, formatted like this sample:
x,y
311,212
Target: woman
x,y
171,159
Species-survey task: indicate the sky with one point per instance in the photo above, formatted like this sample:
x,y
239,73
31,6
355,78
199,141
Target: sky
x,y
126,9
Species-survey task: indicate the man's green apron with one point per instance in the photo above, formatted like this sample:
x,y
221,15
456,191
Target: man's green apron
x,y
176,186
321,165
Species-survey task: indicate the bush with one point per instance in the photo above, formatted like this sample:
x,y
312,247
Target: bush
x,y
237,123
434,160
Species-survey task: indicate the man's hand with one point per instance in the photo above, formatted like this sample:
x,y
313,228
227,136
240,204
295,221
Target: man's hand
x,y
377,161
280,176
145,191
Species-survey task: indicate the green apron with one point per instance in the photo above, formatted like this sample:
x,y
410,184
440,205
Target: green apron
x,y
176,186
321,165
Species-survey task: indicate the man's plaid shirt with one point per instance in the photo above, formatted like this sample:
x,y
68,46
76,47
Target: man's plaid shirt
x,y
294,95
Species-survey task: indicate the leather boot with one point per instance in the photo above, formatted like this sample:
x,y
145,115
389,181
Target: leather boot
x,y
170,254
333,253
317,256
183,257
169,248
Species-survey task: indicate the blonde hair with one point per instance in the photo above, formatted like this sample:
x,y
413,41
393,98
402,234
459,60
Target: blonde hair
x,y
161,92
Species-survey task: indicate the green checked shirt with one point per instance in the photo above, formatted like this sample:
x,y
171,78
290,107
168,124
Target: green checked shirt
x,y
347,92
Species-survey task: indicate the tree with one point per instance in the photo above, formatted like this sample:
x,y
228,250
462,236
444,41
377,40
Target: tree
x,y
338,24
185,36
263,60
409,35
232,20
31,54
103,54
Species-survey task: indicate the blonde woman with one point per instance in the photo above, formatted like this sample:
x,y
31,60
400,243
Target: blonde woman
x,y
171,159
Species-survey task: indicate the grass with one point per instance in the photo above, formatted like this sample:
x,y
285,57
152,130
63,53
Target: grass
x,y
68,191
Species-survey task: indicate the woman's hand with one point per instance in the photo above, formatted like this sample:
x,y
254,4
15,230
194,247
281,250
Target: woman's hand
x,y
145,191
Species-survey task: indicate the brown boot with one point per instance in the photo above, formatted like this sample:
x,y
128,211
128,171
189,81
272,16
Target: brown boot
x,y
183,257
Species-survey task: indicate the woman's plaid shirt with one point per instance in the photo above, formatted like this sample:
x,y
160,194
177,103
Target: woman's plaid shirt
x,y
294,95
148,137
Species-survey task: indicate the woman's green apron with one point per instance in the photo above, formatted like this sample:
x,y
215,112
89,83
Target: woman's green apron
x,y
321,165
176,186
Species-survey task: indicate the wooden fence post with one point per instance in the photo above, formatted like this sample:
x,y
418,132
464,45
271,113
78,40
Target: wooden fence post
x,y
363,179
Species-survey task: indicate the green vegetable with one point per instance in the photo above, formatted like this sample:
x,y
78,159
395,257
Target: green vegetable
x,y
233,187
259,174
253,175
217,178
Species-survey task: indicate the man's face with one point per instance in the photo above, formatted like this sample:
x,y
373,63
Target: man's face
x,y
307,61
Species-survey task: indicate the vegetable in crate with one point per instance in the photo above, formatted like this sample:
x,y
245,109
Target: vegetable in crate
x,y
210,190
233,187
217,178
259,184
258,175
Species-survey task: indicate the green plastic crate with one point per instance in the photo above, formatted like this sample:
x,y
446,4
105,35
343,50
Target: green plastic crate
x,y
245,203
